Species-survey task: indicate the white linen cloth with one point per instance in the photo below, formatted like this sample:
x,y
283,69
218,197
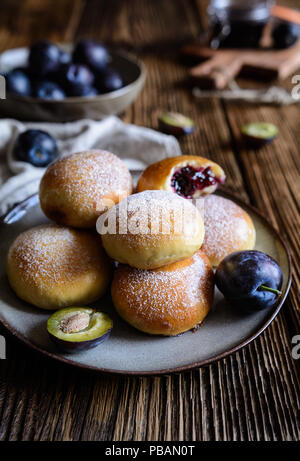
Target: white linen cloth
x,y
136,146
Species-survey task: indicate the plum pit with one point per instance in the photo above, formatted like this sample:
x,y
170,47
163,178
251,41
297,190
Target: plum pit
x,y
75,329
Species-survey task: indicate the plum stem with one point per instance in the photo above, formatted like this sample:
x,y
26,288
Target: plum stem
x,y
272,290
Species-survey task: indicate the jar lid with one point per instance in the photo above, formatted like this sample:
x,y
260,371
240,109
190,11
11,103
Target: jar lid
x,y
241,10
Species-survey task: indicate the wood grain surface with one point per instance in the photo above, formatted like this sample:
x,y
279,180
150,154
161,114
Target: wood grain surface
x,y
252,395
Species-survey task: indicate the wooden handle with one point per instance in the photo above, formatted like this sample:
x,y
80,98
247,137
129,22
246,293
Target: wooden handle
x,y
217,72
196,51
287,14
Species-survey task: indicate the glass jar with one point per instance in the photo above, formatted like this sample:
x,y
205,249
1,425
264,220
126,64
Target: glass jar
x,y
238,23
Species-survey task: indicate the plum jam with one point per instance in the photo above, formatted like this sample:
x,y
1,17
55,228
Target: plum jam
x,y
187,180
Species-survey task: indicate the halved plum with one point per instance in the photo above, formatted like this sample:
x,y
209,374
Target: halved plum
x,y
175,123
188,180
78,328
259,133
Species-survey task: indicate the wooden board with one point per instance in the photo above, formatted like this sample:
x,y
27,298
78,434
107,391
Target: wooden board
x,y
252,395
221,66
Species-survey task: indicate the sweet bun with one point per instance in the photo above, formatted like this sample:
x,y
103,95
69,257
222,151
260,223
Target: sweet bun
x,y
228,228
51,266
166,301
76,189
151,229
189,176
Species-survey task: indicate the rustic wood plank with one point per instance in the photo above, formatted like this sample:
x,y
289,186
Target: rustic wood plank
x,y
136,24
21,23
253,395
272,173
271,179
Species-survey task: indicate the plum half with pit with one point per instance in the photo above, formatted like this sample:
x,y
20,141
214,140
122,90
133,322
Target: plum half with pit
x,y
75,329
249,280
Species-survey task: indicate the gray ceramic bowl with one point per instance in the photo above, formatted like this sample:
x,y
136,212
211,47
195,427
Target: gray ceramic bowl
x,y
74,108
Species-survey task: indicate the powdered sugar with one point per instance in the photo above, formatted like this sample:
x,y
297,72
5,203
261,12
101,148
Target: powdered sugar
x,y
166,293
227,227
84,179
97,171
151,214
51,254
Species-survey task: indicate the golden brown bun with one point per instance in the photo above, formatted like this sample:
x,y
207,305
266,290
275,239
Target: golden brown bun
x,y
158,175
51,266
166,301
153,228
228,228
75,190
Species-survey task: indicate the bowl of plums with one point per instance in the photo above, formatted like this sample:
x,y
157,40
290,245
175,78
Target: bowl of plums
x,y
60,83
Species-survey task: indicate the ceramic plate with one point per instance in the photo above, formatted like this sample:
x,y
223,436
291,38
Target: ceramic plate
x,y
128,351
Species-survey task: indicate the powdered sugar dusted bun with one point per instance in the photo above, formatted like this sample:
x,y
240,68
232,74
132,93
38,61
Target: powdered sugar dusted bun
x,y
228,228
151,229
190,176
51,266
75,190
166,301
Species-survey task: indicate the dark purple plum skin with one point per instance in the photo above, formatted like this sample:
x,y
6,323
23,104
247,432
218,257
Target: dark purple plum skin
x,y
64,57
109,80
75,79
88,92
44,58
92,53
35,140
175,130
17,81
49,90
78,346
84,91
239,276
256,142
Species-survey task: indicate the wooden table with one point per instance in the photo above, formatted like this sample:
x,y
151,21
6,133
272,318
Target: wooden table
x,y
252,395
